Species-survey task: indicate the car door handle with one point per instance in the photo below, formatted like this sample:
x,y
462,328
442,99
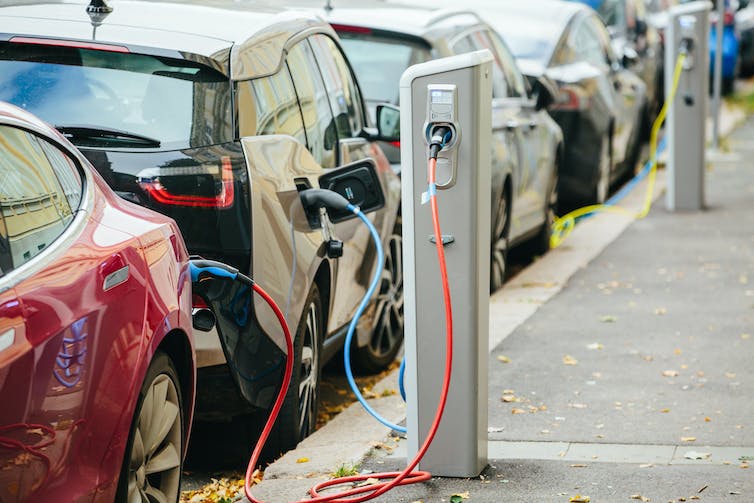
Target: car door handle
x,y
7,338
511,125
114,271
532,124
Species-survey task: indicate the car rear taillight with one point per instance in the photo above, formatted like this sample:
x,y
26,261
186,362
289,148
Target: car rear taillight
x,y
396,144
76,44
347,28
189,185
570,99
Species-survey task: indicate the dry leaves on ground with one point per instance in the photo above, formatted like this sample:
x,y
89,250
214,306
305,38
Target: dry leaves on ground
x,y
219,490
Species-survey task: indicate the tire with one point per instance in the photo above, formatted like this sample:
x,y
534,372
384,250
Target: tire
x,y
541,243
602,183
728,86
298,416
387,323
153,461
500,242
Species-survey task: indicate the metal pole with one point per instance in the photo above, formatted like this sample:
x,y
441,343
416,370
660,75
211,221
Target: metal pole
x,y
717,82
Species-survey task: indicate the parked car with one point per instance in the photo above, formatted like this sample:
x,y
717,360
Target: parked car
x,y
638,43
745,26
381,41
97,365
601,104
218,116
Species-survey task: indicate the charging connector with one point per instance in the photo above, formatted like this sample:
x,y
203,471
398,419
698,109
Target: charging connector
x,y
439,138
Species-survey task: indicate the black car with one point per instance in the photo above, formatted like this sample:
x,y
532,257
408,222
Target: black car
x,y
218,116
601,105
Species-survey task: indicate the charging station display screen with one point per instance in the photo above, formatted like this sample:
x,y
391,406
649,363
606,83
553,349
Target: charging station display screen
x,y
440,97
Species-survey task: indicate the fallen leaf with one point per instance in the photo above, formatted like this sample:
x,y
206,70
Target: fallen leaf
x,y
457,498
577,405
746,337
646,465
503,358
660,311
509,398
608,319
639,497
664,411
670,373
302,460
570,360
518,411
579,465
579,499
688,439
707,419
730,375
508,392
595,345
697,455
677,351
703,488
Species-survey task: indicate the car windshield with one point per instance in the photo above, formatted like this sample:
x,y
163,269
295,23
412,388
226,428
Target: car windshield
x,y
175,102
525,39
379,63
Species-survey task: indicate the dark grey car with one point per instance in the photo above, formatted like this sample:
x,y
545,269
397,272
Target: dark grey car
x,y
601,104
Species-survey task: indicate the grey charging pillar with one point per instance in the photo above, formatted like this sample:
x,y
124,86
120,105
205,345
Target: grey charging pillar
x,y
688,26
461,95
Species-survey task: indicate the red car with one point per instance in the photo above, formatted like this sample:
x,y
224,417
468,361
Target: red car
x,y
97,364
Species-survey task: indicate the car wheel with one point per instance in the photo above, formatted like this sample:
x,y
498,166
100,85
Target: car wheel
x,y
387,324
602,184
154,456
542,241
499,255
298,416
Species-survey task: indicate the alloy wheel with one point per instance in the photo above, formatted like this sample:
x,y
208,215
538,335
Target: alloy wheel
x,y
498,262
309,371
155,461
387,331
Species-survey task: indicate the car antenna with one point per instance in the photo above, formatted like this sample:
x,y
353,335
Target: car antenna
x,y
328,6
98,10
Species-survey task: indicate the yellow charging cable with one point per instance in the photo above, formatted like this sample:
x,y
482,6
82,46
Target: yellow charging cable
x,y
563,226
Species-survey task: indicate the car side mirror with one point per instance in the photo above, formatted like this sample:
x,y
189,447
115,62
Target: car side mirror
x,y
389,122
544,91
358,182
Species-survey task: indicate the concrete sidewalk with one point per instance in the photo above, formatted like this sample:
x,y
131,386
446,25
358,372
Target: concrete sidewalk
x,y
634,381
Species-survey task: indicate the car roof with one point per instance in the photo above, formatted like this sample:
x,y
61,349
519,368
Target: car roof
x,y
510,13
420,21
210,29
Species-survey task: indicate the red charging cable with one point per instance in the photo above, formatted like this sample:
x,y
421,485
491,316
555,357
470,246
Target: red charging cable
x,y
389,479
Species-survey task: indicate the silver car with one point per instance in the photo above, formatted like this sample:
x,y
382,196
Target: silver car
x,y
381,41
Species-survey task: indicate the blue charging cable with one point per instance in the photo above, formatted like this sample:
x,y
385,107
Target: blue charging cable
x,y
352,326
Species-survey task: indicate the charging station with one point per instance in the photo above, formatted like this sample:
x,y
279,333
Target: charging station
x,y
456,93
688,31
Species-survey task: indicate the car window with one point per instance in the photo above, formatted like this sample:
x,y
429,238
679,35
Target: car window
x,y
516,82
587,43
321,135
379,63
345,100
476,41
35,204
173,101
269,105
613,12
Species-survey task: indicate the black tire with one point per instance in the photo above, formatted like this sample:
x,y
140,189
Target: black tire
x,y
601,188
729,85
154,470
541,243
298,416
500,243
387,323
